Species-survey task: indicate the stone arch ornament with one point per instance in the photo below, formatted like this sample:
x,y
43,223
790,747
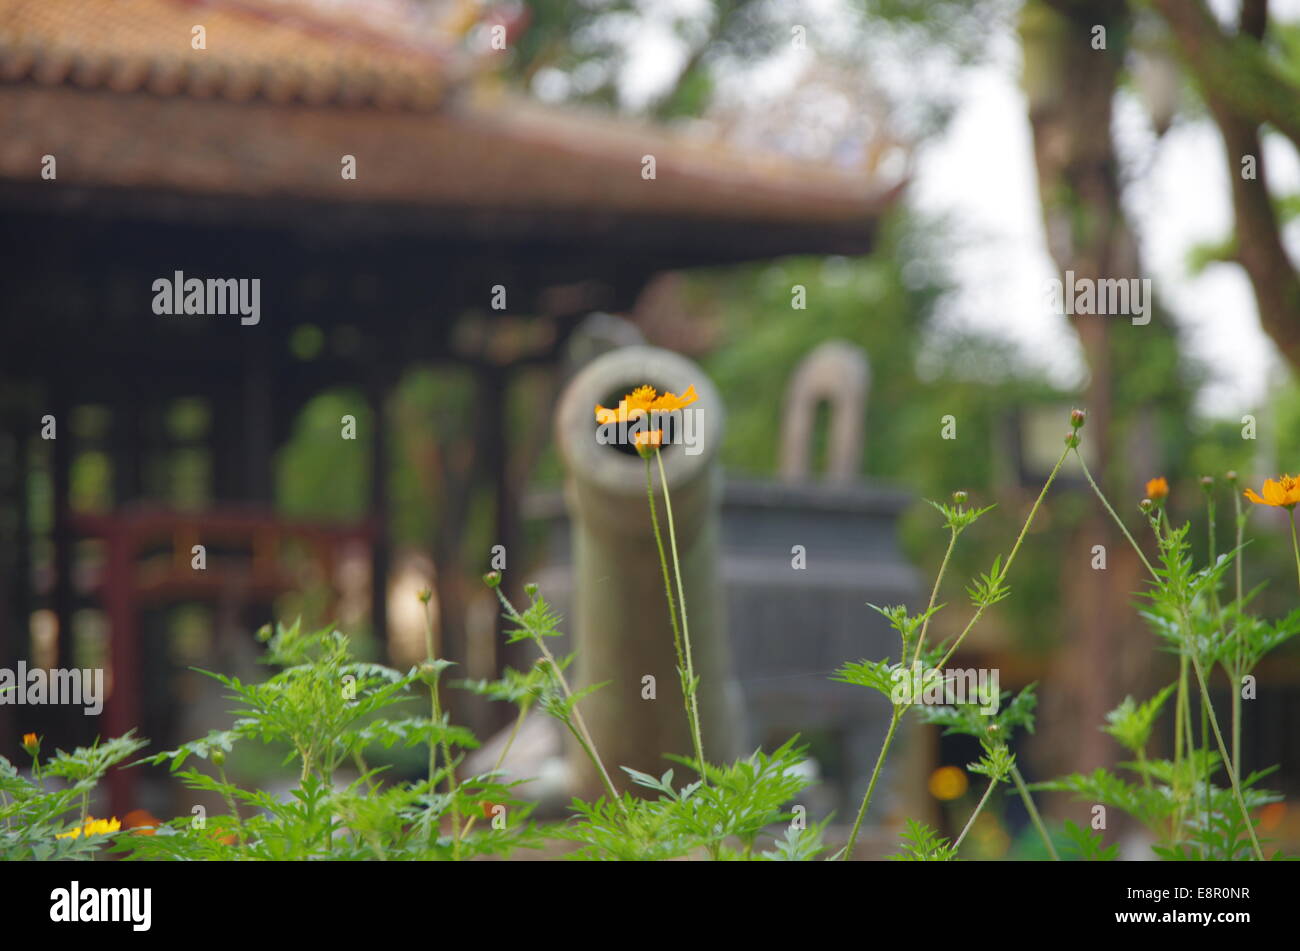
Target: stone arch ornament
x,y
838,373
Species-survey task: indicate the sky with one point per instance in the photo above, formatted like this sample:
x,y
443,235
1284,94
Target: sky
x,y
981,173
979,176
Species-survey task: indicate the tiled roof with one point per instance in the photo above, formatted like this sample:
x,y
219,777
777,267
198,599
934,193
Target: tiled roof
x,y
481,164
385,54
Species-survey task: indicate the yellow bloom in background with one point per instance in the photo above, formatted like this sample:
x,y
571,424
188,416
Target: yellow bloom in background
x,y
948,783
1283,493
93,826
31,742
1157,489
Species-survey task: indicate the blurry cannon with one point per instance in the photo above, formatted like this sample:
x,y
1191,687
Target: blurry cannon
x,y
797,563
619,614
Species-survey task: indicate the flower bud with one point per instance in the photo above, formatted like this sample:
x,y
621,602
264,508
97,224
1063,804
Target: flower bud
x,y
264,633
1077,418
1207,484
959,497
530,589
492,579
1072,439
31,743
1231,476
1146,505
218,758
425,595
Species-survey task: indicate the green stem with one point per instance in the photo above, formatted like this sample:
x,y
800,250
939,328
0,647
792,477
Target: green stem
x,y
1034,817
452,786
1118,521
1295,546
578,726
1180,706
435,713
1142,762
971,821
871,786
1205,747
496,768
934,593
234,809
979,612
1237,670
672,606
686,627
1006,567
1223,751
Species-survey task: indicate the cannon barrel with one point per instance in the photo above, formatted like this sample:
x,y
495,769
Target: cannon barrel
x,y
621,623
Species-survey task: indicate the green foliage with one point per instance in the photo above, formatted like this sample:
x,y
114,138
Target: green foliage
x,y
990,587
970,720
1087,845
36,815
722,818
1130,723
956,517
923,844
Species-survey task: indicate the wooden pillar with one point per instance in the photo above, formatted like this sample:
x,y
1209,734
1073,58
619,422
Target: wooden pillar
x,y
15,571
377,394
122,711
259,423
126,446
61,452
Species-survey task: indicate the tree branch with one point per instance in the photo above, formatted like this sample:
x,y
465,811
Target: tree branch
x,y
1259,241
1234,69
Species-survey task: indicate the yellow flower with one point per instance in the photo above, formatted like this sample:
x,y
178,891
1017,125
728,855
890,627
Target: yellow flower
x,y
948,783
669,402
632,406
31,743
642,400
93,826
1157,489
1284,493
649,440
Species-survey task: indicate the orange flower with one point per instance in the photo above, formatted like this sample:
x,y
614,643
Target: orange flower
x,y
652,439
1284,493
632,406
141,821
1157,489
31,743
669,402
642,400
